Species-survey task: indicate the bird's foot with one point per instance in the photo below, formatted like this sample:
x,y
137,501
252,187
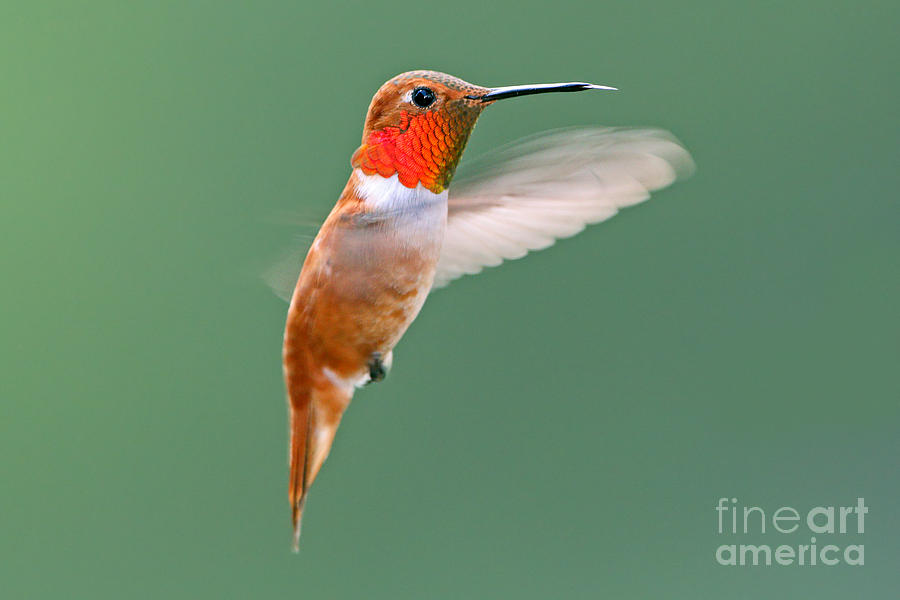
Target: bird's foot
x,y
378,367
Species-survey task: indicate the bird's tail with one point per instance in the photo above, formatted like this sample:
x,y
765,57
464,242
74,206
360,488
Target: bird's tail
x,y
315,415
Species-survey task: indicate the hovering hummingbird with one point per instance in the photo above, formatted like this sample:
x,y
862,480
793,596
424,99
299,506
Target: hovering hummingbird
x,y
398,231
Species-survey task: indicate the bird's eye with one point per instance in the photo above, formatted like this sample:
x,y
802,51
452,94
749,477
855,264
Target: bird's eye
x,y
423,97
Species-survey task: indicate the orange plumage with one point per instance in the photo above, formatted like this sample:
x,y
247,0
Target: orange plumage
x,y
365,277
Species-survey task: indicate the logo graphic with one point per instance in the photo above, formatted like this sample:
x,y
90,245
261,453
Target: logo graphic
x,y
829,521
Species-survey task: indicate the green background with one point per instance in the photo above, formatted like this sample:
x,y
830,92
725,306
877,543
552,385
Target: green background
x,y
561,426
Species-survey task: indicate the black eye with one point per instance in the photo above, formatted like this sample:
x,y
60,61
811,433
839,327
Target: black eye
x,y
423,97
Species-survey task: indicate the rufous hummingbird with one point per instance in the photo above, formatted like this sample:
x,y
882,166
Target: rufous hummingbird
x,y
398,231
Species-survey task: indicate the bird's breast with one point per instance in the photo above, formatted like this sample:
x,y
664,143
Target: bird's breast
x,y
394,233
371,267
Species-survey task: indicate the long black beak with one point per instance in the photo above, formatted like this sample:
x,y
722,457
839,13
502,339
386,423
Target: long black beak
x,y
514,91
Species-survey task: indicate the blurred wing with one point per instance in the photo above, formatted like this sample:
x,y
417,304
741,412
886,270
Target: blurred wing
x,y
534,191
282,272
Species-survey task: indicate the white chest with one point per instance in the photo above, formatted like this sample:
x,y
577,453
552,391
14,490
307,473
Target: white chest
x,y
416,216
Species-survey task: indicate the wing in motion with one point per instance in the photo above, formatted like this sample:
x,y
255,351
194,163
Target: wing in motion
x,y
532,192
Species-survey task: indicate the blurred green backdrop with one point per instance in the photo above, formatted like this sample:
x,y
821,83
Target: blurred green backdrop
x,y
559,427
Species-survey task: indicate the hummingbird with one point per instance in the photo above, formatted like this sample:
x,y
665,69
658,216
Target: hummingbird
x,y
399,230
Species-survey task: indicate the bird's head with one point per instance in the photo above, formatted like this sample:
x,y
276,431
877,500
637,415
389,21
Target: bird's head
x,y
419,122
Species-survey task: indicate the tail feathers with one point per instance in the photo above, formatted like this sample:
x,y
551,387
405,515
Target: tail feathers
x,y
314,421
301,421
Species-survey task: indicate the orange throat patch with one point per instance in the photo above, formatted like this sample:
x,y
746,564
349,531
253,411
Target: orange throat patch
x,y
425,148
